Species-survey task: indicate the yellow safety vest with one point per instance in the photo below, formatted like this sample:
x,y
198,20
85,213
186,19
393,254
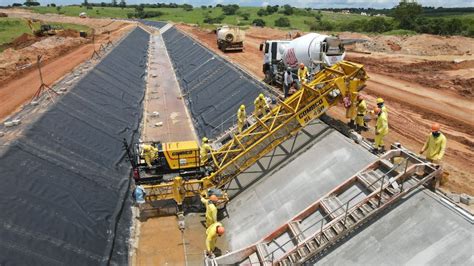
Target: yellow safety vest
x,y
382,124
435,147
302,73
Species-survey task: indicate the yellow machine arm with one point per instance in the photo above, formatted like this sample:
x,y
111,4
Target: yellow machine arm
x,y
327,89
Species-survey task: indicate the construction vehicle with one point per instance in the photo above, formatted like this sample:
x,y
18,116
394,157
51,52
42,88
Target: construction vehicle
x,y
288,117
174,158
44,29
316,51
230,38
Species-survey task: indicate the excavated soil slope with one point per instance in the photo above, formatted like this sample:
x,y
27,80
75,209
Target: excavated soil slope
x,y
60,54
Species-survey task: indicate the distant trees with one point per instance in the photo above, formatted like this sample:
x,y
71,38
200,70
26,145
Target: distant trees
x,y
272,9
258,22
282,22
16,4
187,7
216,20
122,4
245,16
262,12
114,2
406,13
230,9
141,13
288,10
31,3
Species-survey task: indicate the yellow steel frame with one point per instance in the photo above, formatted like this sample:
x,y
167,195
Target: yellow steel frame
x,y
283,121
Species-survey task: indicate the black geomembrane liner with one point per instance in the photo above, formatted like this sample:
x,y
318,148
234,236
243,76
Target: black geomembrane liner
x,y
213,89
65,181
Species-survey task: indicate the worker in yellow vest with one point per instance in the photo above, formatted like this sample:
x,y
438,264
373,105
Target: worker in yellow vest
x,y
303,73
212,232
241,118
361,112
435,145
150,154
205,149
381,129
351,109
211,209
261,106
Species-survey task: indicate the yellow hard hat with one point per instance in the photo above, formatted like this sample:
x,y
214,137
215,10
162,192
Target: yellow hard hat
x,y
379,100
261,96
204,140
242,107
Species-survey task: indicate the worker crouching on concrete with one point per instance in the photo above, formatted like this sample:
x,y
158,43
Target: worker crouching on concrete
x,y
435,145
261,106
150,154
241,118
303,74
215,230
211,209
205,149
361,112
381,130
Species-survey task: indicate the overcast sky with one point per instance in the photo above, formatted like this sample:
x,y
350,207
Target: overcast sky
x,y
298,3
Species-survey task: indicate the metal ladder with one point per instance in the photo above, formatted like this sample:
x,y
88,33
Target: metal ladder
x,y
323,223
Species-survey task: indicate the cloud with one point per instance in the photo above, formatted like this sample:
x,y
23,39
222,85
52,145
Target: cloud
x,y
264,4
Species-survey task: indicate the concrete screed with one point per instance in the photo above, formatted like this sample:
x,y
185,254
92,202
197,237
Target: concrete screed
x,y
300,181
420,231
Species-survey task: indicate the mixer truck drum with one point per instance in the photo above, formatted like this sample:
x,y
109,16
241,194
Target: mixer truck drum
x,y
229,37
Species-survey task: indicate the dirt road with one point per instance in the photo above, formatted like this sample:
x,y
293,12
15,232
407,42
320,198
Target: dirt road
x,y
60,56
419,88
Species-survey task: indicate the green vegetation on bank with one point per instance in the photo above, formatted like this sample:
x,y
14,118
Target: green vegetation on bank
x,y
11,28
405,17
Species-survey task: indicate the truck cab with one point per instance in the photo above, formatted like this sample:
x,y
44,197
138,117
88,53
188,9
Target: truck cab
x,y
315,50
272,57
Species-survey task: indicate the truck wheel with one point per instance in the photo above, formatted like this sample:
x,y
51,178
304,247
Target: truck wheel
x,y
268,77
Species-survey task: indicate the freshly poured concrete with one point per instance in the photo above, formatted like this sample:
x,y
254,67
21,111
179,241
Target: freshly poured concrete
x,y
299,181
420,231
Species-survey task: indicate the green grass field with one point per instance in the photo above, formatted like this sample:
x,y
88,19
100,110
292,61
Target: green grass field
x,y
300,20
197,15
11,28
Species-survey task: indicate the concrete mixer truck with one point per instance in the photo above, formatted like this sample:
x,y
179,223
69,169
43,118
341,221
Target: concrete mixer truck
x,y
314,50
230,38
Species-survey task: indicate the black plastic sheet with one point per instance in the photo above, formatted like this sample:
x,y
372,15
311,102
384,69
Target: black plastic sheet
x,y
213,89
64,191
